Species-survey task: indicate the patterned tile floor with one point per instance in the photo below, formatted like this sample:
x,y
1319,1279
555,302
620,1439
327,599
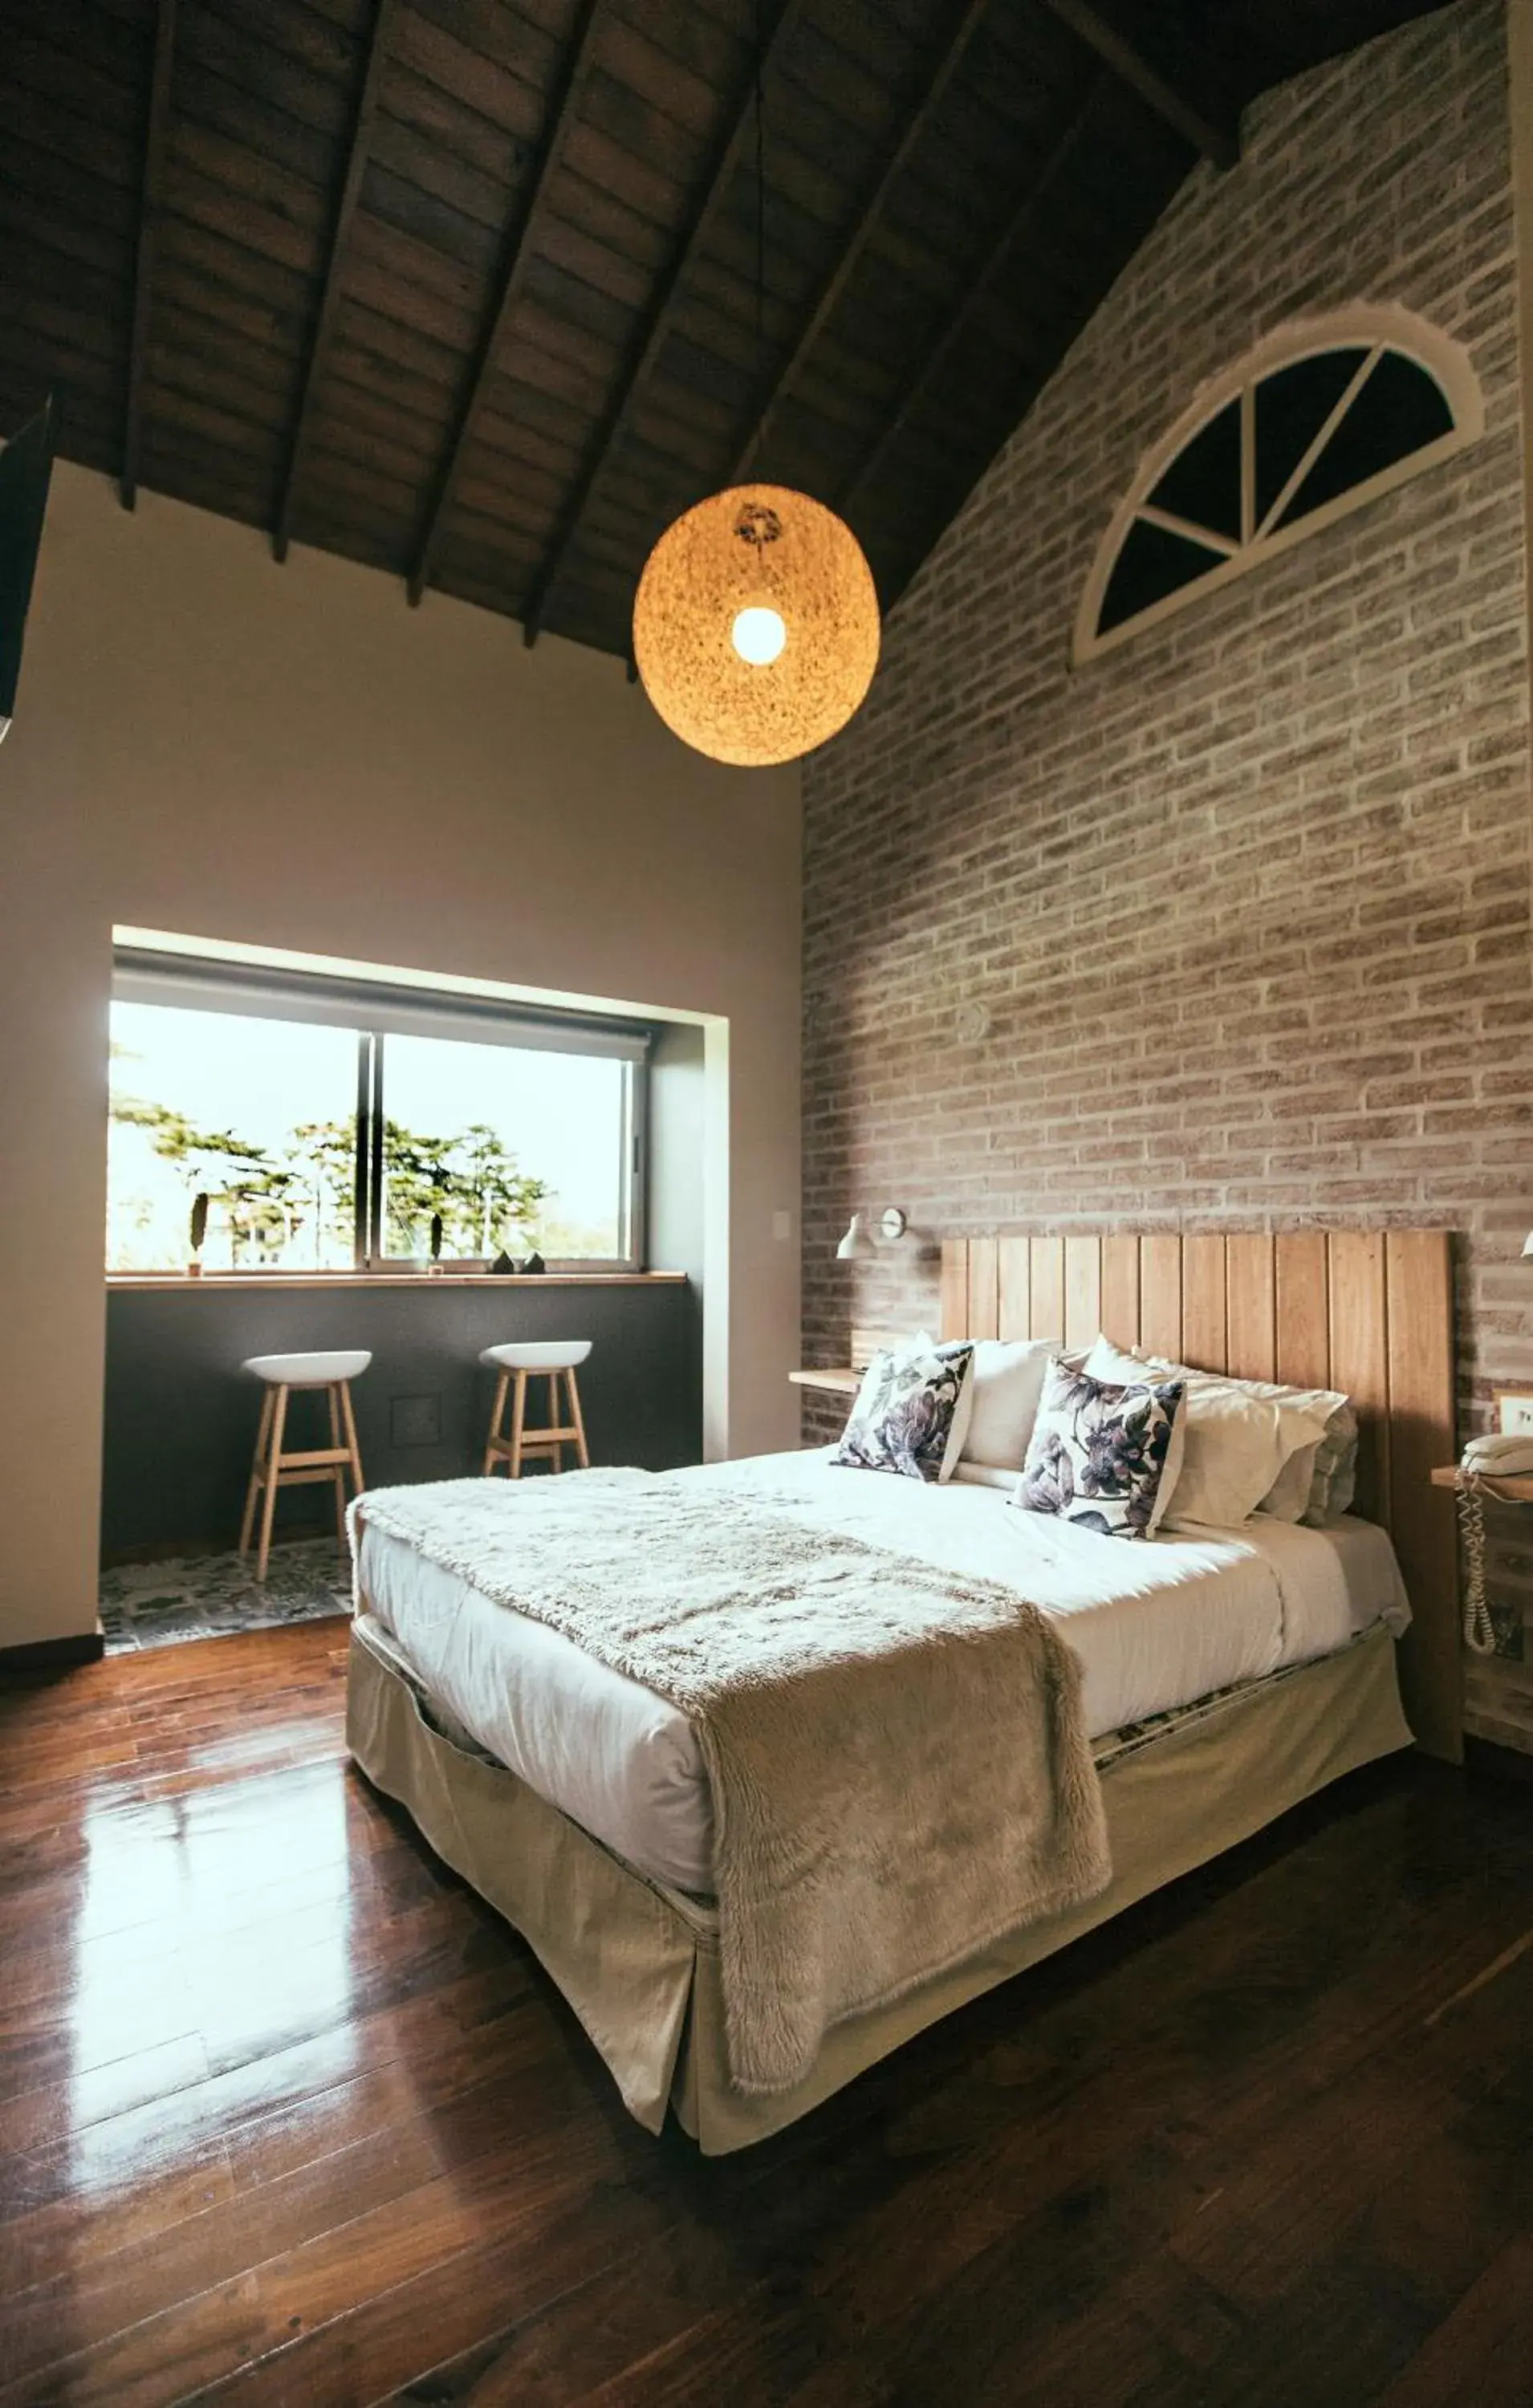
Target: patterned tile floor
x,y
203,1596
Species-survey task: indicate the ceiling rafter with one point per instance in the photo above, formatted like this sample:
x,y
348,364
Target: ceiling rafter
x,y
384,18
656,328
932,91
260,340
934,357
1219,143
150,207
518,257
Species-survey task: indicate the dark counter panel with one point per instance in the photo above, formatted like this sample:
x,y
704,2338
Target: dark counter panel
x,y
180,1416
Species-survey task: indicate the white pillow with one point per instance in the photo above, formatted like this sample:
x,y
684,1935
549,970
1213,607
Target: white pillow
x,y
1006,1383
1235,1443
1106,1363
987,1475
1315,1485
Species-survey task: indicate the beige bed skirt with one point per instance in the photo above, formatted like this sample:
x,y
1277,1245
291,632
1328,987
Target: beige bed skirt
x,y
639,1963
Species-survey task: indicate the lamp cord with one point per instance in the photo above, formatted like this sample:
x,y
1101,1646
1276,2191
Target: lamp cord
x,y
760,200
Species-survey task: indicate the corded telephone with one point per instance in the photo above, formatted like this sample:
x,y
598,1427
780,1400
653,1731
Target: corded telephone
x,y
1498,1458
1484,1461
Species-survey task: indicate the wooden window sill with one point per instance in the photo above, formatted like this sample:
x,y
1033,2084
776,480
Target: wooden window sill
x,y
341,1282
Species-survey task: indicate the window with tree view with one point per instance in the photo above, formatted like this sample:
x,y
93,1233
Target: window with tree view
x,y
295,1144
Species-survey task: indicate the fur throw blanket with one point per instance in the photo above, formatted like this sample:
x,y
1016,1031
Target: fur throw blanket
x,y
899,1766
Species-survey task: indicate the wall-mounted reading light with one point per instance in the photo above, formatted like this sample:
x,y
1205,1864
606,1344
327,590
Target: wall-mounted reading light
x,y
860,1246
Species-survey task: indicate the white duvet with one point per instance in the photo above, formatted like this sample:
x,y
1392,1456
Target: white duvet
x,y
1154,1626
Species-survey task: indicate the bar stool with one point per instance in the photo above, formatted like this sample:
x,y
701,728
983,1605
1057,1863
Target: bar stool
x,y
273,1470
552,1360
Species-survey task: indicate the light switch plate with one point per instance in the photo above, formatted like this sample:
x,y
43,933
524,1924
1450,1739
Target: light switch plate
x,y
782,1225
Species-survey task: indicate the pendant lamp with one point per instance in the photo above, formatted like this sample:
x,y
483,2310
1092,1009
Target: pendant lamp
x,y
756,620
756,625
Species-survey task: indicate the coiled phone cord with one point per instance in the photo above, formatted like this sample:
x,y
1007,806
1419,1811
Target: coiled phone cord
x,y
1478,1629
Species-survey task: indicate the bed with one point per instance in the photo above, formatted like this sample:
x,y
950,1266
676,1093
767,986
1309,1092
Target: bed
x,y
1224,1675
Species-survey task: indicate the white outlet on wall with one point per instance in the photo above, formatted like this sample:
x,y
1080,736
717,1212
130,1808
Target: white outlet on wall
x,y
782,1225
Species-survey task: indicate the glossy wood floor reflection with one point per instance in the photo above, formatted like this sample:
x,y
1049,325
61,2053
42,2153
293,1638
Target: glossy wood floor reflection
x,y
288,2117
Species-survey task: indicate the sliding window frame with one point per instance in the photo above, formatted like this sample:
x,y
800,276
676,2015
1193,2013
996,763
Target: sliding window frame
x,y
214,984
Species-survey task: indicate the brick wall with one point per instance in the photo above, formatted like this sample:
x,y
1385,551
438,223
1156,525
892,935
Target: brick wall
x,y
1231,926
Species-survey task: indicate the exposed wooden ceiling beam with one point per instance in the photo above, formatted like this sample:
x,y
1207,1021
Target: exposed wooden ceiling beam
x,y
150,204
933,89
934,358
519,251
1219,143
384,18
655,328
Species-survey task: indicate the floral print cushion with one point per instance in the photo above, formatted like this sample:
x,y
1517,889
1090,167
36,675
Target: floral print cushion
x,y
1098,1450
911,1412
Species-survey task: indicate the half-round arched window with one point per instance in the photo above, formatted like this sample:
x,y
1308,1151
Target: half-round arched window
x,y
1322,416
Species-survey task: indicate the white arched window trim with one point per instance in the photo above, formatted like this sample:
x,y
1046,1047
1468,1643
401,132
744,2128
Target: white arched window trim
x,y
1381,326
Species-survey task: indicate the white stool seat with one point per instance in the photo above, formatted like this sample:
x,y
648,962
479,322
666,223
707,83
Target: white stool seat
x,y
538,1356
308,1370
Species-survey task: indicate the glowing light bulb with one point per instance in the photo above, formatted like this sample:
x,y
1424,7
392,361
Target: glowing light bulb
x,y
758,635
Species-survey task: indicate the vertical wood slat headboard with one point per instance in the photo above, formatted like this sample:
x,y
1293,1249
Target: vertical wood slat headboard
x,y
1366,1311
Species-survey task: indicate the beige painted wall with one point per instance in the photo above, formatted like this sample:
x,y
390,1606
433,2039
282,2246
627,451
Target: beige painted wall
x,y
209,744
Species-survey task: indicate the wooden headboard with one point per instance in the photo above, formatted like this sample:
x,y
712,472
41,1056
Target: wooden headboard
x,y
1366,1310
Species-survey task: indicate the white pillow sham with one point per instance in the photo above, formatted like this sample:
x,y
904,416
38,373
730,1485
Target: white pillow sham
x,y
1235,1445
1006,1382
1315,1485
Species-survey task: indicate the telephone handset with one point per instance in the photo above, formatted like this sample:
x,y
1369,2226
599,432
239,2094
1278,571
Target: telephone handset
x,y
1498,1458
1484,1461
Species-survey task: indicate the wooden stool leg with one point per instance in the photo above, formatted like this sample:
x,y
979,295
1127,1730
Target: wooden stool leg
x,y
519,1415
352,1449
491,1458
554,1418
583,1452
274,1457
248,1525
333,1399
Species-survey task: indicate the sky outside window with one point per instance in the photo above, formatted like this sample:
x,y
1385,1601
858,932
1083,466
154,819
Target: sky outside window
x,y
513,1148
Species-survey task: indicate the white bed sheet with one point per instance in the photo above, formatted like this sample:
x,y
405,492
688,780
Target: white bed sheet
x,y
1154,1627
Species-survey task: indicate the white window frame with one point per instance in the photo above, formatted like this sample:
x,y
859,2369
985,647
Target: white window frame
x,y
1374,326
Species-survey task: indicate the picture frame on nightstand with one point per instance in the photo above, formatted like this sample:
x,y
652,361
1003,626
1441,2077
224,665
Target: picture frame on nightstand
x,y
1514,1411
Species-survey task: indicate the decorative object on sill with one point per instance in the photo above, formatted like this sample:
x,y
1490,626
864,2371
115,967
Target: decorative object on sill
x,y
532,1265
860,1246
756,620
503,1266
197,1232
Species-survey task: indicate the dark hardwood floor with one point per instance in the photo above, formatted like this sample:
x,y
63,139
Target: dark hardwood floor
x,y
288,2117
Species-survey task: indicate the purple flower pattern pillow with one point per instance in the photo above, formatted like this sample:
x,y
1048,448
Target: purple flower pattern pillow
x,y
907,1416
1097,1450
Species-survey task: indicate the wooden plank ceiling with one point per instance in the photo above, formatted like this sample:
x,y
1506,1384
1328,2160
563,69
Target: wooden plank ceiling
x,y
467,289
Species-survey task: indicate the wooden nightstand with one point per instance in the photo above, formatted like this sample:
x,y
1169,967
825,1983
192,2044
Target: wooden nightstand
x,y
840,1383
1517,1489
